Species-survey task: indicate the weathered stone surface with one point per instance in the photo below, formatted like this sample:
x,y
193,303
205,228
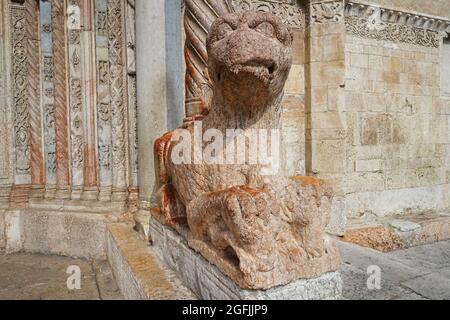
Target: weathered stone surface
x,y
355,287
52,232
390,234
26,276
378,238
138,272
209,283
429,258
234,212
2,230
416,273
435,286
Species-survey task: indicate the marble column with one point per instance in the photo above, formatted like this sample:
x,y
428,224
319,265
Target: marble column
x,y
151,96
6,174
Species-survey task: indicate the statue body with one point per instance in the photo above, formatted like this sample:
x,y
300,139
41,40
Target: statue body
x,y
261,230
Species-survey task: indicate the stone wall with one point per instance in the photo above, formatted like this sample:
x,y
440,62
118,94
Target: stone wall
x,y
398,129
397,145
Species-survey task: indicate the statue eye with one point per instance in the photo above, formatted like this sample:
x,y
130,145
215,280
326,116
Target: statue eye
x,y
266,28
224,30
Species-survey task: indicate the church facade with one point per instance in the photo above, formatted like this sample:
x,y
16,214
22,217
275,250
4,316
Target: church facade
x,y
87,86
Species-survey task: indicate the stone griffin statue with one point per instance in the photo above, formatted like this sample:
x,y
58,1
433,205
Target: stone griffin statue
x,y
260,230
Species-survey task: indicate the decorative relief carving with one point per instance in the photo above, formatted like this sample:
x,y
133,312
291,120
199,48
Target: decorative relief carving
x,y
49,118
103,71
74,37
103,99
116,76
50,141
19,87
76,106
47,28
102,23
392,32
76,113
288,11
75,58
326,12
48,68
105,156
396,26
48,98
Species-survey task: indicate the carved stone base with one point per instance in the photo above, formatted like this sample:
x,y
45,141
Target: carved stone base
x,y
141,218
207,282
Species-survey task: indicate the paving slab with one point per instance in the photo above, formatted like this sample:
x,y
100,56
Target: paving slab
x,y
25,276
435,286
418,273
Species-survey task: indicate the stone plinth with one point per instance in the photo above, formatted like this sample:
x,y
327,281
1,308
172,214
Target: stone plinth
x,y
209,283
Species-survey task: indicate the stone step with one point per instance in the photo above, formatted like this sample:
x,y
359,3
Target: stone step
x,y
395,233
139,273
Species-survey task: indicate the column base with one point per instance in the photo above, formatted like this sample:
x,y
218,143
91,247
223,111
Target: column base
x,y
209,283
63,193
119,195
142,223
89,193
37,192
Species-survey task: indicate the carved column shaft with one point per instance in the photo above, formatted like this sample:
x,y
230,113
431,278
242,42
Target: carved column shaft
x,y
34,93
88,73
104,130
118,98
132,101
20,99
76,99
6,173
20,105
61,110
199,15
48,97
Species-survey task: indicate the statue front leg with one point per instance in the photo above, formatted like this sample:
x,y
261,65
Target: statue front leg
x,y
234,221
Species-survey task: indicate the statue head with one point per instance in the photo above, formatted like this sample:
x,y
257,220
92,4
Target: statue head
x,y
249,58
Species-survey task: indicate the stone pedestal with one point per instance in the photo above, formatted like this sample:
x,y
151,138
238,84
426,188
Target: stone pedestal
x,y
207,282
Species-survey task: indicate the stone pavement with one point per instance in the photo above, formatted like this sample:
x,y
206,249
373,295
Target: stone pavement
x,y
416,273
41,277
